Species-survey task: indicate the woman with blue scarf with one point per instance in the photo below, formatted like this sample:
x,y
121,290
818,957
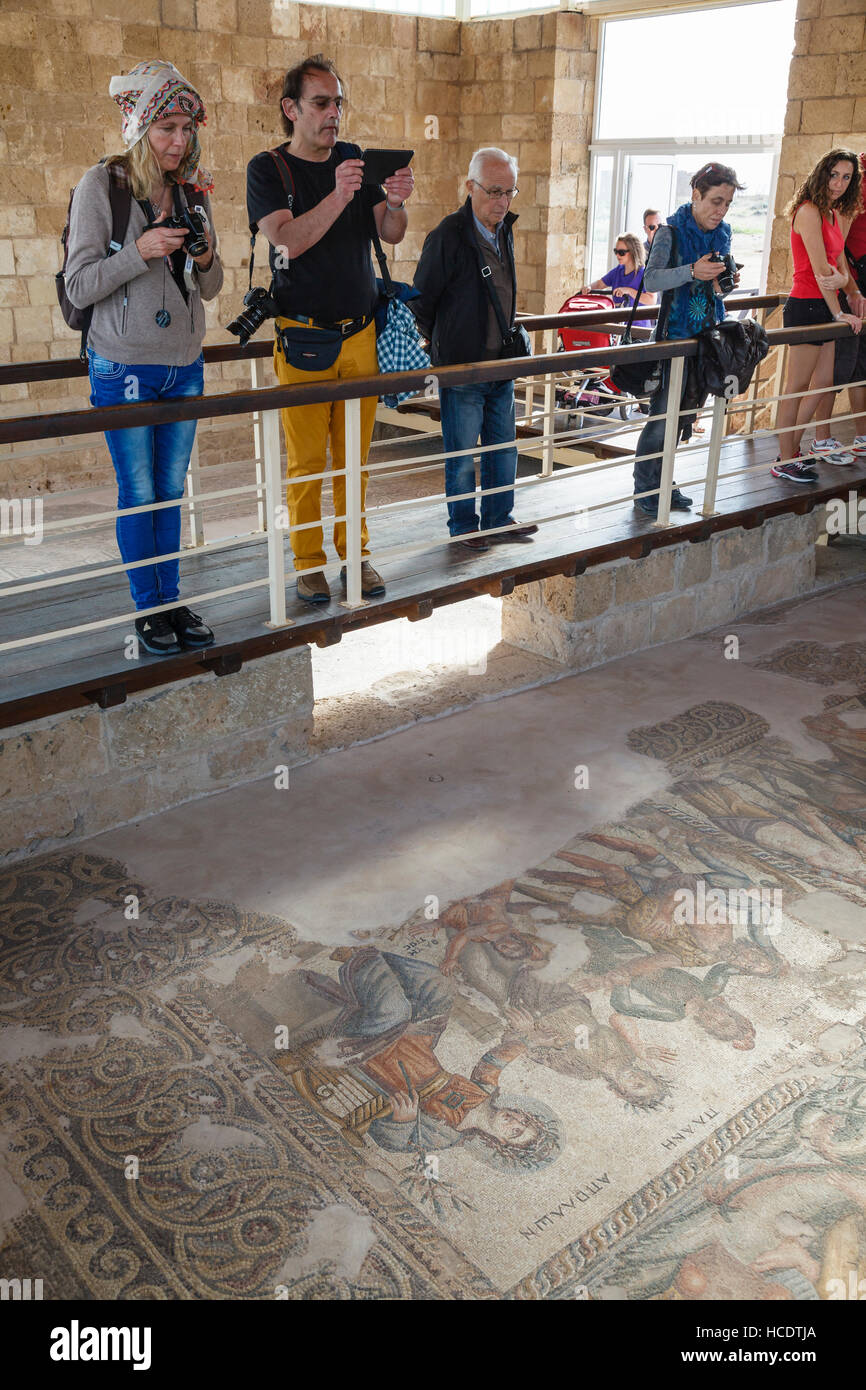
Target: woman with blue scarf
x,y
680,262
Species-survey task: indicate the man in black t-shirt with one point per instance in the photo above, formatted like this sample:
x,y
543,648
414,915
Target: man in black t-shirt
x,y
323,276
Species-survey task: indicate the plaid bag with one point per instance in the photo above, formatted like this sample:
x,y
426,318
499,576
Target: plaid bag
x,y
398,342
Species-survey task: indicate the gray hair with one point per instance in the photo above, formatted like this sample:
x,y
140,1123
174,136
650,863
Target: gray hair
x,y
481,156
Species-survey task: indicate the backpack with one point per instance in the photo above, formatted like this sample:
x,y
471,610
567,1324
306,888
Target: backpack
x,y
120,198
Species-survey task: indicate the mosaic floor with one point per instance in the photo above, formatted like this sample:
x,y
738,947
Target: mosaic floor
x,y
560,997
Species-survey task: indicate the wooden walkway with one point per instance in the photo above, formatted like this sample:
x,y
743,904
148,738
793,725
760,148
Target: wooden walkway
x,y
72,672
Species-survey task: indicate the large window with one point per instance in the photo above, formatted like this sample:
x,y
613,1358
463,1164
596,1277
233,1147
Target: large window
x,y
651,135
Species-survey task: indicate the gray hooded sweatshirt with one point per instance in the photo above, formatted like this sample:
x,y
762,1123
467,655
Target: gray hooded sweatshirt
x,y
126,292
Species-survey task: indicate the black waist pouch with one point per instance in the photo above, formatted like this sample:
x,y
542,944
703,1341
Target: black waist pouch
x,y
310,349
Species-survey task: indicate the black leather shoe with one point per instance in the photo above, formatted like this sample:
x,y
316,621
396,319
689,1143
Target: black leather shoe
x,y
648,505
190,629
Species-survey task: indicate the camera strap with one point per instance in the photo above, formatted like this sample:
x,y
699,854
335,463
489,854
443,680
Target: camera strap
x,y
288,182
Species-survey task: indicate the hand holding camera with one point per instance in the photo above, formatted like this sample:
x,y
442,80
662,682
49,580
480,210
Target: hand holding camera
x,y
166,234
709,267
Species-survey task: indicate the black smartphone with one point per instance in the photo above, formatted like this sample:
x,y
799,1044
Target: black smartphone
x,y
379,165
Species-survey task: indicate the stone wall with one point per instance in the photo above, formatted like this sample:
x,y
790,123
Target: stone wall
x,y
525,84
826,107
72,775
630,605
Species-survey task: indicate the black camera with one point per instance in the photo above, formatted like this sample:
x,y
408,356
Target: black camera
x,y
725,281
191,222
259,306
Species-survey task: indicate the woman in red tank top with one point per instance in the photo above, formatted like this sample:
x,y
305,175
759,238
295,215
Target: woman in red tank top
x,y
831,192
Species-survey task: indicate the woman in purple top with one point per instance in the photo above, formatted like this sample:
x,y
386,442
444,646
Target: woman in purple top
x,y
626,277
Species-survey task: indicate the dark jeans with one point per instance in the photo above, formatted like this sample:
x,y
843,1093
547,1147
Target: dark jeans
x,y
648,472
485,409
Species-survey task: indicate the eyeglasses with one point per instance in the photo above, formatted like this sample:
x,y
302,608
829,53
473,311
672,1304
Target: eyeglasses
x,y
620,250
652,227
508,193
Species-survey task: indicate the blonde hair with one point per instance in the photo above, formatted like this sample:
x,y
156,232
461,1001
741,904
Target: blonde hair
x,y
635,248
143,168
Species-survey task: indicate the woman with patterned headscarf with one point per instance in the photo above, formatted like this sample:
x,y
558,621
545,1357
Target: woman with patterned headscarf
x,y
146,332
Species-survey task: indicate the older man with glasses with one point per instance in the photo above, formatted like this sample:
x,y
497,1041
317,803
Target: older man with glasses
x,y
652,220
467,293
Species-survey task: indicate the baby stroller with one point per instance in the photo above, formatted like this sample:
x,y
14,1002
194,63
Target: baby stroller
x,y
593,388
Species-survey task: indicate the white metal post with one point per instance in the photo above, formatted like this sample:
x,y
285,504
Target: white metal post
x,y
193,487
275,507
717,434
255,382
672,420
549,409
354,597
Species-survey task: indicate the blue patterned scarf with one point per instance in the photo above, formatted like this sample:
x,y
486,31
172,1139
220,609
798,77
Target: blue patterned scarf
x,y
694,305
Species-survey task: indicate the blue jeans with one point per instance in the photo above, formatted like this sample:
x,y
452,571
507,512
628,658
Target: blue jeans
x,y
150,463
486,409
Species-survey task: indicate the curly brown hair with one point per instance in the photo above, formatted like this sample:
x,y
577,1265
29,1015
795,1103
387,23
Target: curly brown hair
x,y
815,188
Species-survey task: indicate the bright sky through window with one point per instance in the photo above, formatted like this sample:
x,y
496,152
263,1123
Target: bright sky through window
x,y
709,74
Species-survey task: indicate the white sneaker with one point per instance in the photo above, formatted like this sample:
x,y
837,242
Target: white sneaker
x,y
831,451
859,445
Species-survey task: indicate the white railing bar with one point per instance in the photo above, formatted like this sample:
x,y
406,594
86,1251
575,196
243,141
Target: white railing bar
x,y
274,498
104,570
352,432
98,623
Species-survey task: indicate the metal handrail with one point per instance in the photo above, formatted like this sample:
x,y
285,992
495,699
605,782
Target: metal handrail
x,y
17,429
62,368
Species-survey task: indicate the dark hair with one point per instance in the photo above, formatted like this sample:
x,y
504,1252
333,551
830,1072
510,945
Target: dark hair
x,y
711,175
293,83
816,187
650,212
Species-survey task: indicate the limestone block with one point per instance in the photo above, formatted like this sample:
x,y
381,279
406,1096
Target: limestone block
x,y
192,715
16,767
826,115
641,579
254,17
787,579
116,800
537,631
621,631
17,221
790,535
438,36
177,14
313,23
26,825
737,547
673,618
695,564
717,602
584,597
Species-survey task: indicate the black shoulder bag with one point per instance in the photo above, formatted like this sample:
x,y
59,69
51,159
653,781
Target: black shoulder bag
x,y
515,340
644,378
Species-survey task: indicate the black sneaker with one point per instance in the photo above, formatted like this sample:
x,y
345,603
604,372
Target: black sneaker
x,y
796,470
157,635
189,628
649,505
679,501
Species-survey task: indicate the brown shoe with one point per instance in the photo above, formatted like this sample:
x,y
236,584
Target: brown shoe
x,y
473,541
372,583
313,587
